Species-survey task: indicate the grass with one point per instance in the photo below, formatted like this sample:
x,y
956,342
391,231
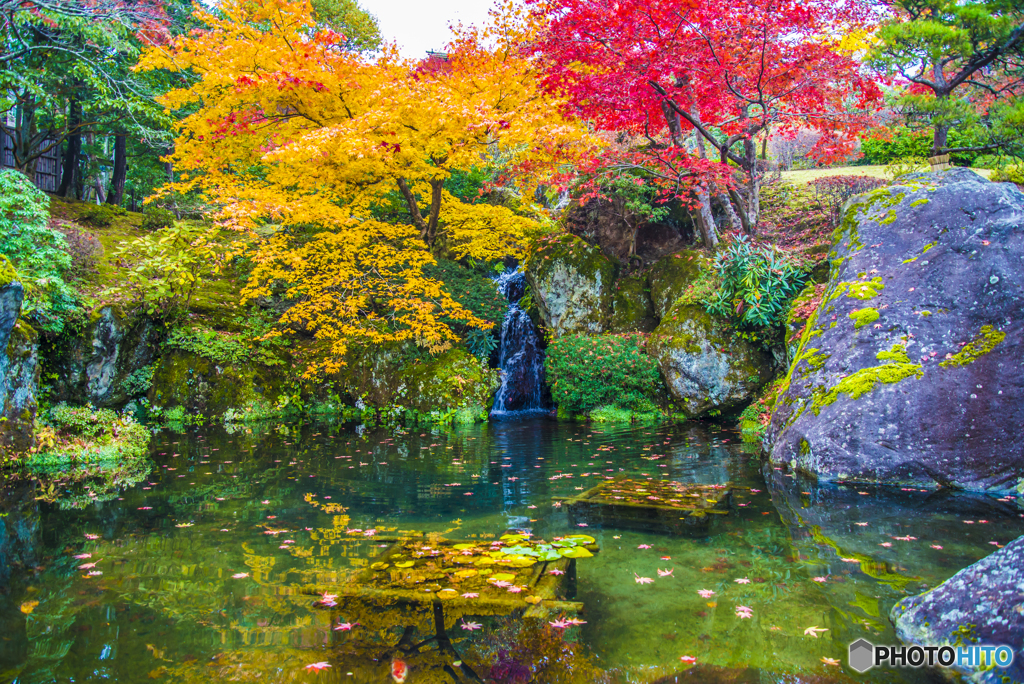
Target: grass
x,y
804,176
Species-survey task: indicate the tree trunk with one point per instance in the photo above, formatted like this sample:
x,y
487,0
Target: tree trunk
x,y
120,174
705,217
69,167
940,140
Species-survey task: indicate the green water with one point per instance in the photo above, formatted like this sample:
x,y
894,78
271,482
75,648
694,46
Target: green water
x,y
165,606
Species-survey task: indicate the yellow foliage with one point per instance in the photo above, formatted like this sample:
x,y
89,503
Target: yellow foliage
x,y
297,140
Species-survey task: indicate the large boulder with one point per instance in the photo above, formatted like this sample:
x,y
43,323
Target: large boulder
x,y
980,604
571,282
632,309
19,369
672,276
454,381
600,222
705,366
108,364
911,370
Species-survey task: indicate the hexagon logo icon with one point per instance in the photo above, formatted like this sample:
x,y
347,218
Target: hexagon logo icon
x,y
862,655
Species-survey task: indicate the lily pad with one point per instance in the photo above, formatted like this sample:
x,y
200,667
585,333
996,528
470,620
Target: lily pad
x,y
578,552
503,577
379,566
520,551
465,574
581,538
514,537
464,547
405,564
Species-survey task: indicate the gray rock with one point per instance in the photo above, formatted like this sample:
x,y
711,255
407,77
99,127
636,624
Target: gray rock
x,y
571,282
95,367
704,365
19,373
983,603
912,368
671,277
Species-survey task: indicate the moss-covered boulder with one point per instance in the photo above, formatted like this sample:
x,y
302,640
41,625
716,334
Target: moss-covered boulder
x,y
452,383
211,389
911,370
19,372
108,363
571,282
671,276
980,605
632,309
707,368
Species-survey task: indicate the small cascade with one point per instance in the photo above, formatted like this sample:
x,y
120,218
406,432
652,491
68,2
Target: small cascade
x,y
520,356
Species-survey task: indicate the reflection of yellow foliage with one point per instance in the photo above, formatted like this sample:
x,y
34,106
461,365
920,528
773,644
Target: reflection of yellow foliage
x,y
28,606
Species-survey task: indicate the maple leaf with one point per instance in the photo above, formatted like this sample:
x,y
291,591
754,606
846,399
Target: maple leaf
x,y
643,580
813,631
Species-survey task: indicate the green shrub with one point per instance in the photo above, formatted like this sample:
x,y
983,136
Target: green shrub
x,y
901,167
586,372
1009,174
470,288
757,283
157,218
36,251
138,382
82,435
99,215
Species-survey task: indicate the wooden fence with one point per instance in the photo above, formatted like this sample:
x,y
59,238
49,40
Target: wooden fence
x,y
48,167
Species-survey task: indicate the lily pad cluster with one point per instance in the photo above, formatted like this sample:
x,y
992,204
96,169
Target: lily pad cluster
x,y
663,493
471,569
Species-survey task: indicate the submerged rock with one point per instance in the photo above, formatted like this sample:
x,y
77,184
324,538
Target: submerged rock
x,y
571,282
980,604
704,365
912,369
19,372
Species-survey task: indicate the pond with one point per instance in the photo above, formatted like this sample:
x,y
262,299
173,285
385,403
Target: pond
x,y
215,565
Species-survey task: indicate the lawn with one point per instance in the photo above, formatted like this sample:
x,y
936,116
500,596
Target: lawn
x,y
802,176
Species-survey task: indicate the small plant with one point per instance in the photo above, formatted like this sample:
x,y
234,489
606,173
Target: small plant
x,y
757,283
586,372
138,382
904,165
83,247
1009,174
82,435
481,343
157,218
832,192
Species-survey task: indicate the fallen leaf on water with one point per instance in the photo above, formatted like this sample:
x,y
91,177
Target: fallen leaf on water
x,y
318,666
829,661
813,631
239,575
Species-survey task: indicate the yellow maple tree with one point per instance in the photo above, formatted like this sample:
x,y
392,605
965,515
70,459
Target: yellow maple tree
x,y
296,140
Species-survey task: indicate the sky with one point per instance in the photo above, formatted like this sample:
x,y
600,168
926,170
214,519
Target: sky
x,y
421,25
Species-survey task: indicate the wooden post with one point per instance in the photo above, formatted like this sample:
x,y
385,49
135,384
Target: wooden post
x,y
939,162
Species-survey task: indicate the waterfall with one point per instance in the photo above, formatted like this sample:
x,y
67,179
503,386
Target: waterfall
x,y
520,356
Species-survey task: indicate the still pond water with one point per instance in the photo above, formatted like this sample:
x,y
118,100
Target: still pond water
x,y
209,569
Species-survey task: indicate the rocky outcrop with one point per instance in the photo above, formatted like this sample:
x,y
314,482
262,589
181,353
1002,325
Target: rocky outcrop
x,y
101,366
453,381
672,276
705,366
980,604
571,282
19,372
632,309
912,368
600,222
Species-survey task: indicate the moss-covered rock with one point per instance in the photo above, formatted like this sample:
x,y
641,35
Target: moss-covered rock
x,y
671,276
911,369
19,373
707,368
453,383
632,309
204,387
7,272
571,282
99,365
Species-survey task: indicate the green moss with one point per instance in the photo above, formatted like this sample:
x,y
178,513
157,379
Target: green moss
x,y
920,202
632,309
866,379
928,246
7,272
454,386
862,317
985,342
910,261
685,275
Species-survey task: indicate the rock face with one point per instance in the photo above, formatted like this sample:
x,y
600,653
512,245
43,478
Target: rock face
x,y
980,604
600,222
632,309
912,368
102,366
571,282
670,278
19,373
704,366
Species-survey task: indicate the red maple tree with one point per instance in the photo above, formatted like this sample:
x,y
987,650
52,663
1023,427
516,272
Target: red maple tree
x,y
728,71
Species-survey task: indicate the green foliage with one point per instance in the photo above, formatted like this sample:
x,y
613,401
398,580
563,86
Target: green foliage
x,y
1009,174
83,435
481,343
470,288
359,27
905,165
81,420
138,382
586,372
256,343
162,271
757,283
99,215
904,143
36,251
157,218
